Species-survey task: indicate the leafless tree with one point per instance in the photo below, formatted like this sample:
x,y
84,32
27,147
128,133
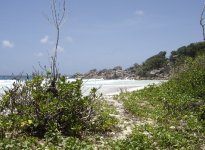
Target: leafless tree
x,y
58,11
202,21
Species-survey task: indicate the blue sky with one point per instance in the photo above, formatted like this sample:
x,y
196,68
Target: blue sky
x,y
96,34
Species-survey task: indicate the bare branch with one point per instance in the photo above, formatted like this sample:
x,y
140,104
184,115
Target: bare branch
x,y
63,14
202,23
58,11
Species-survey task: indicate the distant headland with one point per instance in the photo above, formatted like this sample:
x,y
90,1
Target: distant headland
x,y
157,67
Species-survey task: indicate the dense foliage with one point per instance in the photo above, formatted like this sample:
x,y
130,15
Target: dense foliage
x,y
36,115
192,50
35,109
173,113
160,64
155,62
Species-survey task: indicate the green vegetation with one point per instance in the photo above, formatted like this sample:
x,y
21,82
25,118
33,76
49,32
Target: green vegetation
x,y
37,115
173,112
34,113
165,66
192,50
154,62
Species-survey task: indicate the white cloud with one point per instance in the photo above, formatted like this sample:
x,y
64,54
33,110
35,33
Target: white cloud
x,y
69,39
139,12
44,40
39,54
7,44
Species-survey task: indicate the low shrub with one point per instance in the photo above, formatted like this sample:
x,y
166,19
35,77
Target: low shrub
x,y
137,141
176,109
35,108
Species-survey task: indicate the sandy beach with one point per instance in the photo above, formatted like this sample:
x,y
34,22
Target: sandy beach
x,y
106,87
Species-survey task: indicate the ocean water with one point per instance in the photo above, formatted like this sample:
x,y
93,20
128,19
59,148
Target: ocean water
x,y
106,87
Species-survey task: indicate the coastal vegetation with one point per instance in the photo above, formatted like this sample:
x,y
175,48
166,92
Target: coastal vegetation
x,y
169,116
31,111
159,66
175,110
160,62
50,112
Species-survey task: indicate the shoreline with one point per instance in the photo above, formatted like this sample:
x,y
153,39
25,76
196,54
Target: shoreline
x,y
125,90
106,87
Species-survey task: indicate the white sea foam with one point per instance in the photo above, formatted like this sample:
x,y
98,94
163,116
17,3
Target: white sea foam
x,y
5,84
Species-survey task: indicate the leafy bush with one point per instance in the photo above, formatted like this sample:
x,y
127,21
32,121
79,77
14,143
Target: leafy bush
x,y
185,87
36,108
137,141
156,61
190,79
176,108
193,50
28,143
